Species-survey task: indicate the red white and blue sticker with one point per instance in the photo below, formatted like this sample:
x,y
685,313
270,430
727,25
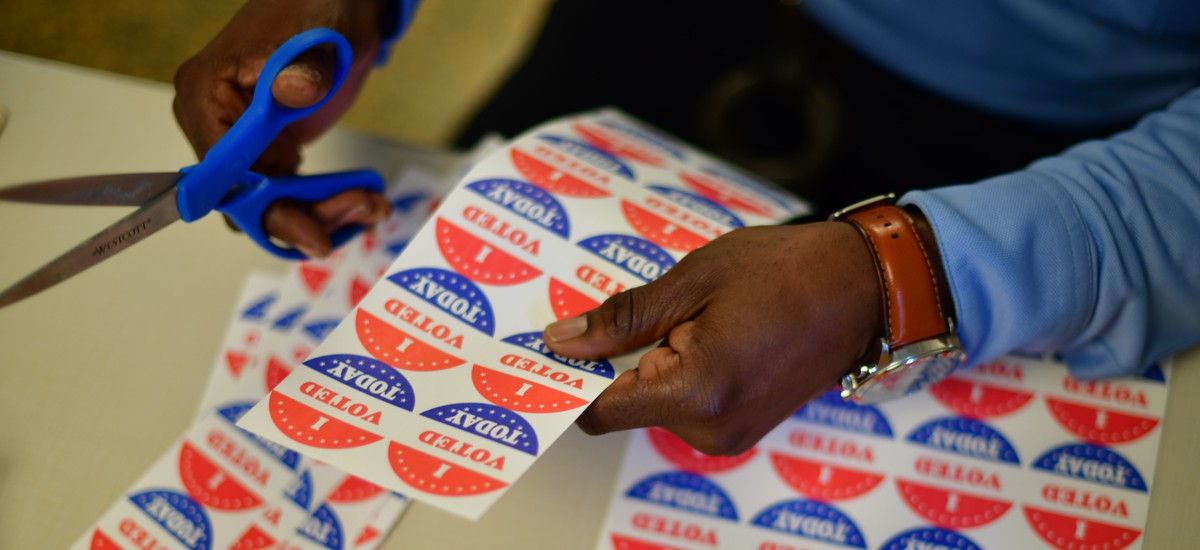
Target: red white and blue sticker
x,y
533,341
368,377
687,492
683,456
1093,464
569,168
422,345
285,456
451,293
628,142
1070,532
966,437
520,394
481,261
566,302
974,399
638,257
699,205
951,508
735,191
526,200
831,410
811,520
496,424
258,309
428,473
1099,424
324,528
823,480
313,427
928,537
181,516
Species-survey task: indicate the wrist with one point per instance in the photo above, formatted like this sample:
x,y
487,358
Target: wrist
x,y
919,345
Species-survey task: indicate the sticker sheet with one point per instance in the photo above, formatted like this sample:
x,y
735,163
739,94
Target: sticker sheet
x,y
214,488
222,487
438,385
1012,454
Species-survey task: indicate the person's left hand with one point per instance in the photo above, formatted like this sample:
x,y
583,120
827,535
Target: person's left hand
x,y
756,323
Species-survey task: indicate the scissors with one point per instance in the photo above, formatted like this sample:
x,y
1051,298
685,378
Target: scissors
x,y
222,181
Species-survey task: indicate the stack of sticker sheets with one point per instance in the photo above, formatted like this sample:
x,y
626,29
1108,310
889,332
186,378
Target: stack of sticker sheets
x,y
1012,454
220,487
438,384
369,376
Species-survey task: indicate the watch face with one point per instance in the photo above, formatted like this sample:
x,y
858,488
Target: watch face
x,y
901,379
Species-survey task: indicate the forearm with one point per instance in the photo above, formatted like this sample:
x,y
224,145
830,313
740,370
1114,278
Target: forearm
x,y
1087,253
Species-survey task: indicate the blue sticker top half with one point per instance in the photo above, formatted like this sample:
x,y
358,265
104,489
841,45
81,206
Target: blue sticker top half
x,y
638,257
490,422
526,200
1092,463
178,514
699,205
966,437
813,520
592,155
831,410
533,341
367,376
685,491
451,293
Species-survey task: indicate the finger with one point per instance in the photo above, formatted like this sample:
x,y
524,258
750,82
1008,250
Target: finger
x,y
649,395
630,319
355,206
307,79
207,102
294,223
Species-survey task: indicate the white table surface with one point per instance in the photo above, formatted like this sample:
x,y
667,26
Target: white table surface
x,y
101,373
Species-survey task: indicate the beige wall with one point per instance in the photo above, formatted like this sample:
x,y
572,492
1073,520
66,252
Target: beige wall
x,y
455,54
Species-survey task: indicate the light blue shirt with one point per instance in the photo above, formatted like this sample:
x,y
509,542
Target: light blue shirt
x,y
1094,253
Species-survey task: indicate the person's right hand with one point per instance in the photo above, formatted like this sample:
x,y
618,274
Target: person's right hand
x,y
750,327
213,89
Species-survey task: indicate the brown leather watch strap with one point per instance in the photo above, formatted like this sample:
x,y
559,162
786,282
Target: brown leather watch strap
x,y
906,274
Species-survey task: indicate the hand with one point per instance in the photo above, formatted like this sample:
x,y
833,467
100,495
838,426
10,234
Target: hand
x,y
756,323
213,89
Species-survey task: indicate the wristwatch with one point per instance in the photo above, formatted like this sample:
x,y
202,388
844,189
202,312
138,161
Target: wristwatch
x,y
919,344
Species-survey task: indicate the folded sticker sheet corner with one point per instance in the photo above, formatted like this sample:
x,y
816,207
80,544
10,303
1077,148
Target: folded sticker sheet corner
x,y
437,384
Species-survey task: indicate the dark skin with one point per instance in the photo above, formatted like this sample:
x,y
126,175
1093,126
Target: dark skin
x,y
214,87
749,327
752,326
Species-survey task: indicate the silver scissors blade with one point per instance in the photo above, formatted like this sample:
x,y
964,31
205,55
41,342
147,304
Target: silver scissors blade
x,y
107,190
156,214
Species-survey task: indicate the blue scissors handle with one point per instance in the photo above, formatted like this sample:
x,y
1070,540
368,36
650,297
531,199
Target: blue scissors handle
x,y
247,204
203,187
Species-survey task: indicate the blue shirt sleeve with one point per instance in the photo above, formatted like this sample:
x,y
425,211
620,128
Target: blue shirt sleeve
x,y
1091,254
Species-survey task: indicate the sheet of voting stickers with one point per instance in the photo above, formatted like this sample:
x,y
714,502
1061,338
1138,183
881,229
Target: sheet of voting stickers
x,y
207,491
363,261
238,356
438,385
349,515
1012,454
377,530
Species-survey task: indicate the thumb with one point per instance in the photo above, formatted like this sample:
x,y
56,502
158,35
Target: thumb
x,y
626,321
306,79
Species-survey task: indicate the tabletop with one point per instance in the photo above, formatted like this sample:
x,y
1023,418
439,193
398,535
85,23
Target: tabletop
x,y
104,371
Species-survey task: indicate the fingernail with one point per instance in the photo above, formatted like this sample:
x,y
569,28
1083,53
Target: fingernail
x,y
567,329
310,252
302,70
358,214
